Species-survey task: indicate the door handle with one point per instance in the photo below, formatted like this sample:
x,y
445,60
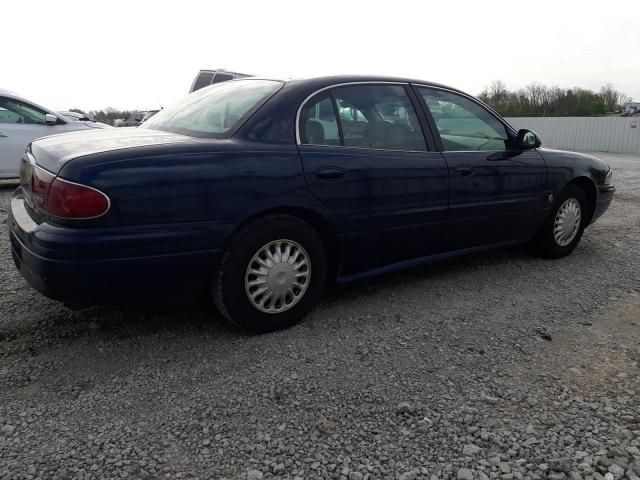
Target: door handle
x,y
3,135
330,173
463,170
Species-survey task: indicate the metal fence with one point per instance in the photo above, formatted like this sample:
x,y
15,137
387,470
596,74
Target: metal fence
x,y
598,134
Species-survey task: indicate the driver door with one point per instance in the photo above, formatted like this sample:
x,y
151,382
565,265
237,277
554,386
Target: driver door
x,y
496,193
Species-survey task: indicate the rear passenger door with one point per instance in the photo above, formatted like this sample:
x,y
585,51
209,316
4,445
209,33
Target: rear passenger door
x,y
365,157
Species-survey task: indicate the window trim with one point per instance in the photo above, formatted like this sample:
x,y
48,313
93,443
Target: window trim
x,y
418,109
511,132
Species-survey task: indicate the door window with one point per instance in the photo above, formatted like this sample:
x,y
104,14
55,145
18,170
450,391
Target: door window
x,y
318,124
368,116
463,124
378,116
15,111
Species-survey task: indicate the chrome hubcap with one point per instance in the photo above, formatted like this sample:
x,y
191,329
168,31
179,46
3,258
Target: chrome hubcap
x,y
567,222
277,276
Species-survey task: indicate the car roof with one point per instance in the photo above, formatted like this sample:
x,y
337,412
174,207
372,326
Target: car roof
x,y
328,80
362,78
9,93
313,84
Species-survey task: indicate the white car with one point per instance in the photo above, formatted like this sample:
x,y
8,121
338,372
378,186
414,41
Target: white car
x,y
21,122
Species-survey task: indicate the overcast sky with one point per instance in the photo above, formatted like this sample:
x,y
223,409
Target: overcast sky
x,y
141,54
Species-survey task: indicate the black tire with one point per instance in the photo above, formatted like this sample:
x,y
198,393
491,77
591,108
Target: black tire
x,y
545,241
228,285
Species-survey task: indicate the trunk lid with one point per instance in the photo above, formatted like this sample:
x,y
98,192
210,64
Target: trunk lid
x,y
51,153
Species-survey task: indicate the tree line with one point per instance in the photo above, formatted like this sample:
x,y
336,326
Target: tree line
x,y
537,100
108,115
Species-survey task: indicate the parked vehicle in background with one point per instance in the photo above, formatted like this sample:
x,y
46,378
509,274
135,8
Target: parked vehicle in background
x,y
76,116
135,119
259,192
148,114
210,77
82,117
22,121
630,109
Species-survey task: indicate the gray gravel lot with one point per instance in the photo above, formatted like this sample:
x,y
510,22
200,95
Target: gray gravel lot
x,y
499,365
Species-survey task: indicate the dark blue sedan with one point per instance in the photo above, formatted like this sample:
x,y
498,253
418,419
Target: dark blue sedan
x,y
259,192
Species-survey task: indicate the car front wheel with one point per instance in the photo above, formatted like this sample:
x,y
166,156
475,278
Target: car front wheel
x,y
565,224
271,275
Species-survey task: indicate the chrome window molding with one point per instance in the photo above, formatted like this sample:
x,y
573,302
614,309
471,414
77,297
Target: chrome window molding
x,y
366,148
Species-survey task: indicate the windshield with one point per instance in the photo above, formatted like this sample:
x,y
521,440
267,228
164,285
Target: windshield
x,y
214,111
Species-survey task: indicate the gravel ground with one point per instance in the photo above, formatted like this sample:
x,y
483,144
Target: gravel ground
x,y
499,365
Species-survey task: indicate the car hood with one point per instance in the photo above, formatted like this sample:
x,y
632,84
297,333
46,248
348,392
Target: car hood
x,y
53,152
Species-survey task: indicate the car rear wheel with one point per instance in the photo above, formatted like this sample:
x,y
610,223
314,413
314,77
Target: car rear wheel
x,y
271,275
565,224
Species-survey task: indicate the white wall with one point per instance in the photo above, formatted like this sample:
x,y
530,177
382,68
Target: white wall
x,y
598,134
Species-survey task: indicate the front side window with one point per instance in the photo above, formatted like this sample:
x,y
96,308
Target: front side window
x,y
364,116
214,112
463,124
15,111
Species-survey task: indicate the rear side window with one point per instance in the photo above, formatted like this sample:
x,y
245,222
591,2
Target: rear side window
x,y
318,123
378,116
463,124
368,116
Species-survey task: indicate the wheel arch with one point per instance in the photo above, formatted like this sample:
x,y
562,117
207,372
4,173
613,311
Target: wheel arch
x,y
321,223
588,186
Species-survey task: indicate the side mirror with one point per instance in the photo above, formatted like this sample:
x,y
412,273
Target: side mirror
x,y
50,119
528,139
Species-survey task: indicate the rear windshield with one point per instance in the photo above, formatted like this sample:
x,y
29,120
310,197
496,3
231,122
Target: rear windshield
x,y
214,111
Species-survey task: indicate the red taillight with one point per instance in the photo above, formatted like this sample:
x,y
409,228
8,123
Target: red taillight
x,y
66,199
72,200
40,184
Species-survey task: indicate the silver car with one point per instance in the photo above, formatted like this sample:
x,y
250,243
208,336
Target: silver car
x,y
22,121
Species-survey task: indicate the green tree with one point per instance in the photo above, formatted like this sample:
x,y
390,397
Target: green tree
x,y
537,99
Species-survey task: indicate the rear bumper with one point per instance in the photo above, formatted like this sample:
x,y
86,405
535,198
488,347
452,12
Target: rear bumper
x,y
102,266
605,195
